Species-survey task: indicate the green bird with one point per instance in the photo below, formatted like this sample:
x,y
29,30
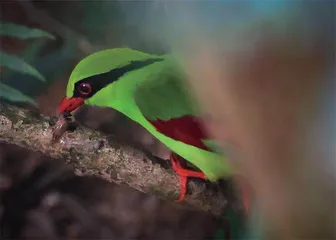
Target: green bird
x,y
150,90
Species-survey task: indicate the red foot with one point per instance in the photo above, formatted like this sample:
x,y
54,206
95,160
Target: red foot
x,y
183,174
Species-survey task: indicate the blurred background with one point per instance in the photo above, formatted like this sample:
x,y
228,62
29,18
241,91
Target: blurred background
x,y
263,70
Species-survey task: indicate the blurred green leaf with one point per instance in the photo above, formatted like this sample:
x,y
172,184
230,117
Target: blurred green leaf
x,y
30,53
14,95
22,32
17,64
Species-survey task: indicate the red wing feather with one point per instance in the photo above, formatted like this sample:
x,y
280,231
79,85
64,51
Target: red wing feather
x,y
187,129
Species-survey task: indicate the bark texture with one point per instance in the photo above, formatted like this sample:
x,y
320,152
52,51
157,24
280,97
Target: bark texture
x,y
93,153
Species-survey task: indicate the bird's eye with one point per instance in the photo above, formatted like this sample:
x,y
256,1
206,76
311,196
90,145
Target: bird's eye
x,y
84,89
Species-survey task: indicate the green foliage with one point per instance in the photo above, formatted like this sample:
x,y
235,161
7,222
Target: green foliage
x,y
14,95
16,63
22,32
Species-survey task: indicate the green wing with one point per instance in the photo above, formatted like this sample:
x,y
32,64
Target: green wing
x,y
164,95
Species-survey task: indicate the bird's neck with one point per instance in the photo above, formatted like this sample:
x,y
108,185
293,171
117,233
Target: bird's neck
x,y
118,96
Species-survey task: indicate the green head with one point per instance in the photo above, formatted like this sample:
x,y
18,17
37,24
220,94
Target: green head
x,y
99,71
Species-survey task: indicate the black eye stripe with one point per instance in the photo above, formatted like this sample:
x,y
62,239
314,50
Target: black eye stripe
x,y
99,81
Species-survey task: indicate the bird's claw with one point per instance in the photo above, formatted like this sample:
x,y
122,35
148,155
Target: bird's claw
x,y
183,175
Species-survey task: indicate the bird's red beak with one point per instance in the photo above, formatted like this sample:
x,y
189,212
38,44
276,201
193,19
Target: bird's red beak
x,y
68,105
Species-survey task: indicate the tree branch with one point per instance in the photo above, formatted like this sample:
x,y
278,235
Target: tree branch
x,y
93,153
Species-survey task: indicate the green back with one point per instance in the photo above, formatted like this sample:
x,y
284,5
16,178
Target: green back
x,y
164,94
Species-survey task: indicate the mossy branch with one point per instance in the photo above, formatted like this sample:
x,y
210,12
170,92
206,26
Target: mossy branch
x,y
93,153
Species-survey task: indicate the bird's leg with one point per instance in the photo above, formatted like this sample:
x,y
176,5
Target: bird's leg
x,y
183,175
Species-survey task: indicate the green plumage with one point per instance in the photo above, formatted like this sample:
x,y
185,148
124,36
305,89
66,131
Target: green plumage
x,y
157,91
164,95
